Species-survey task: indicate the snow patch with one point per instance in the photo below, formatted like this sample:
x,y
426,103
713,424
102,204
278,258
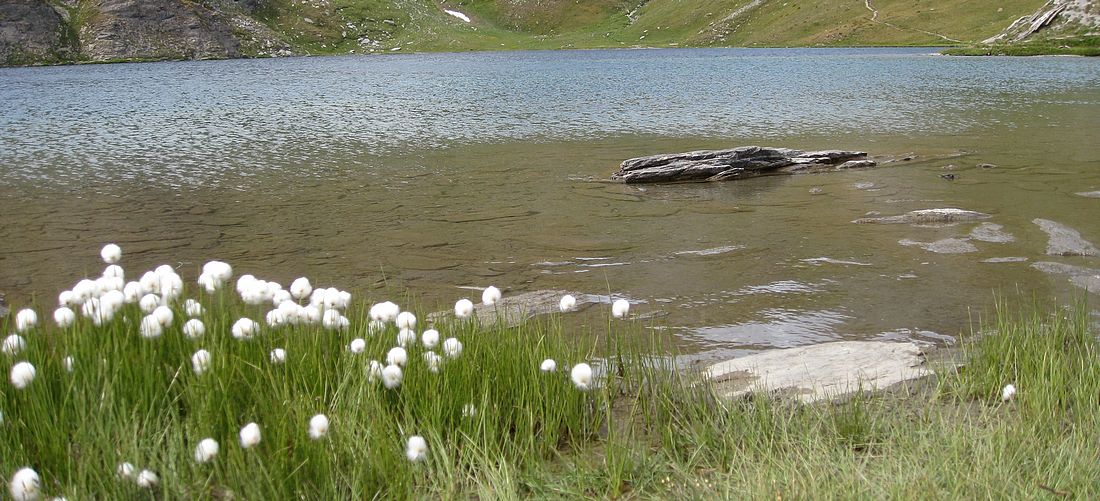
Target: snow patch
x,y
458,14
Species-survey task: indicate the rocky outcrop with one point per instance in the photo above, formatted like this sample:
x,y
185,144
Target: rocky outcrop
x,y
33,31
735,163
820,372
1055,18
927,216
139,29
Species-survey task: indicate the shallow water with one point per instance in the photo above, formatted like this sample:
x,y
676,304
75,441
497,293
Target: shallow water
x,y
443,171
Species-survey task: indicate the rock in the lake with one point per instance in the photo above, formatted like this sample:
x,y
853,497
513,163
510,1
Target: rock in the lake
x,y
735,163
512,310
1089,194
821,372
1065,241
927,216
992,233
1085,278
944,246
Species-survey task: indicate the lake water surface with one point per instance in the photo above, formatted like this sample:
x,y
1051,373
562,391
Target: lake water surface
x,y
438,172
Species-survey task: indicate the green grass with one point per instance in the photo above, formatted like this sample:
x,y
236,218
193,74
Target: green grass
x,y
1078,46
649,431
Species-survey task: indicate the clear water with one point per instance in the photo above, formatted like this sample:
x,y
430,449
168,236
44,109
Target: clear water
x,y
443,171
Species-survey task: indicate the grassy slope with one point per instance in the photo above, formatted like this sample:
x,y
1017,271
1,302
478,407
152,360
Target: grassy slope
x,y
529,24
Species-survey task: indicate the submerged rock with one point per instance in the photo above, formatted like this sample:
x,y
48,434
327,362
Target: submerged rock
x,y
927,216
1085,278
992,233
735,163
1009,259
513,310
821,372
1089,194
944,246
1065,241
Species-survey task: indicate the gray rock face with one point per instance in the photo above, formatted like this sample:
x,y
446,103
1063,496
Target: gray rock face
x,y
821,372
927,216
137,29
735,163
1065,241
32,31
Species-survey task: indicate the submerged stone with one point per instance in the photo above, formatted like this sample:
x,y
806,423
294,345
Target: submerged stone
x,y
944,246
1079,276
824,371
993,233
947,215
1065,241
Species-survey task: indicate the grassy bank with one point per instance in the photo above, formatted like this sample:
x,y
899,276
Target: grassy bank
x,y
495,424
1084,46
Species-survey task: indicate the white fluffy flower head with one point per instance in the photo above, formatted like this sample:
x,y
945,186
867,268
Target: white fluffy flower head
x,y
25,485
417,449
1008,393
278,356
582,376
392,376
464,308
568,303
200,362
22,374
206,450
357,345
430,338
397,356
490,295
318,426
111,253
548,365
452,347
250,435
620,308
25,319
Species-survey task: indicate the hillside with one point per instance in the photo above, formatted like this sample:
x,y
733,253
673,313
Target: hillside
x,y
58,31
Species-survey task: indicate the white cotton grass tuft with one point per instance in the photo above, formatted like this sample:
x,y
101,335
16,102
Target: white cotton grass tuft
x,y
194,328
206,450
151,328
64,317
148,303
318,427
430,338
245,328
13,345
397,356
147,479
111,253
406,337
385,312
114,271
125,470
66,298
192,308
469,411
164,315
300,288
620,308
250,435
1008,393
277,356
25,320
357,345
406,320
68,364
417,449
22,375
200,362
275,318
132,292
568,303
433,361
374,371
582,376
548,365
490,295
25,485
464,308
392,376
452,347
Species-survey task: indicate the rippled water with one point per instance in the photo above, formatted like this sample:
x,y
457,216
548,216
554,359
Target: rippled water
x,y
441,171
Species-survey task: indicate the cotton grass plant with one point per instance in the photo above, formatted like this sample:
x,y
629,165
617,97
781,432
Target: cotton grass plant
x,y
161,393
